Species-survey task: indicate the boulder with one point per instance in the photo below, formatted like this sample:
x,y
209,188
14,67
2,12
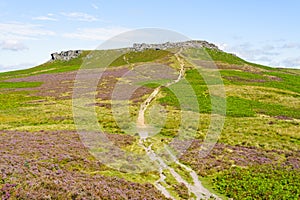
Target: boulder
x,y
66,55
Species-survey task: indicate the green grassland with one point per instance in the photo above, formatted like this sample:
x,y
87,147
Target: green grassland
x,y
259,182
262,111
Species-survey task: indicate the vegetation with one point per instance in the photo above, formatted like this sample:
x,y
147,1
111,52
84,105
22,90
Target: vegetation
x,y
140,56
224,57
259,182
46,68
256,157
236,106
19,84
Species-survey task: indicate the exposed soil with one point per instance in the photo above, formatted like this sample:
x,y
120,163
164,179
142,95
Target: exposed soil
x,y
283,117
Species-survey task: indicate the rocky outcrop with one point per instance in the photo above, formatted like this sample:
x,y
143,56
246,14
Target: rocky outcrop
x,y
66,55
169,45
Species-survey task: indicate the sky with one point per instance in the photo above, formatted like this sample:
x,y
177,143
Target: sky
x,y
265,32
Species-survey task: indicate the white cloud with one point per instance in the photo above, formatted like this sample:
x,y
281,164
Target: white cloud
x,y
222,46
269,54
263,59
95,33
95,6
45,18
293,62
249,52
237,37
78,16
12,45
291,45
4,68
21,31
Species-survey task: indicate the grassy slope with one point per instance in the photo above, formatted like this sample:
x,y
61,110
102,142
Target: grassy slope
x,y
49,67
259,99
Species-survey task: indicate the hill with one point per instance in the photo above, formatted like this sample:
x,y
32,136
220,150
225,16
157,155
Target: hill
x,y
256,156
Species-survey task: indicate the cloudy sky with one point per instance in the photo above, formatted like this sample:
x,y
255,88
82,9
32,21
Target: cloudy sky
x,y
265,32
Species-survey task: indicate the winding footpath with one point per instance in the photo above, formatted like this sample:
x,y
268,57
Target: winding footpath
x,y
196,188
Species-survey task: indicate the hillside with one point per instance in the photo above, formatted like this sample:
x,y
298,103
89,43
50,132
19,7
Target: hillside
x,y
257,155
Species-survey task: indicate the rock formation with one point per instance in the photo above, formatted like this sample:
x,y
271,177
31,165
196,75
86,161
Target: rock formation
x,y
66,55
169,45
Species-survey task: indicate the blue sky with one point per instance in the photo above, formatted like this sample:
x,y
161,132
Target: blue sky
x,y
265,32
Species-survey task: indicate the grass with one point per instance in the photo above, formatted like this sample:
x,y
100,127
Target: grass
x,y
228,58
146,177
140,56
20,84
285,81
224,57
259,182
289,81
207,183
239,107
236,106
265,95
263,112
20,111
48,67
262,132
179,191
243,76
260,66
11,101
194,86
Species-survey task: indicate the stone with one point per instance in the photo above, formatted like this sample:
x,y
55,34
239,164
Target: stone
x,y
169,45
66,55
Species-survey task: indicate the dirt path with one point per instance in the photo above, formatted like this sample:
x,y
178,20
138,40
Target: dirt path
x,y
196,188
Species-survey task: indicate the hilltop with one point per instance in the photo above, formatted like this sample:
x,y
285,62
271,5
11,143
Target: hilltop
x,y
257,154
68,55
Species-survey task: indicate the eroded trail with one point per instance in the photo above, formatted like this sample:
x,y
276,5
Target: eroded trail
x,y
195,188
